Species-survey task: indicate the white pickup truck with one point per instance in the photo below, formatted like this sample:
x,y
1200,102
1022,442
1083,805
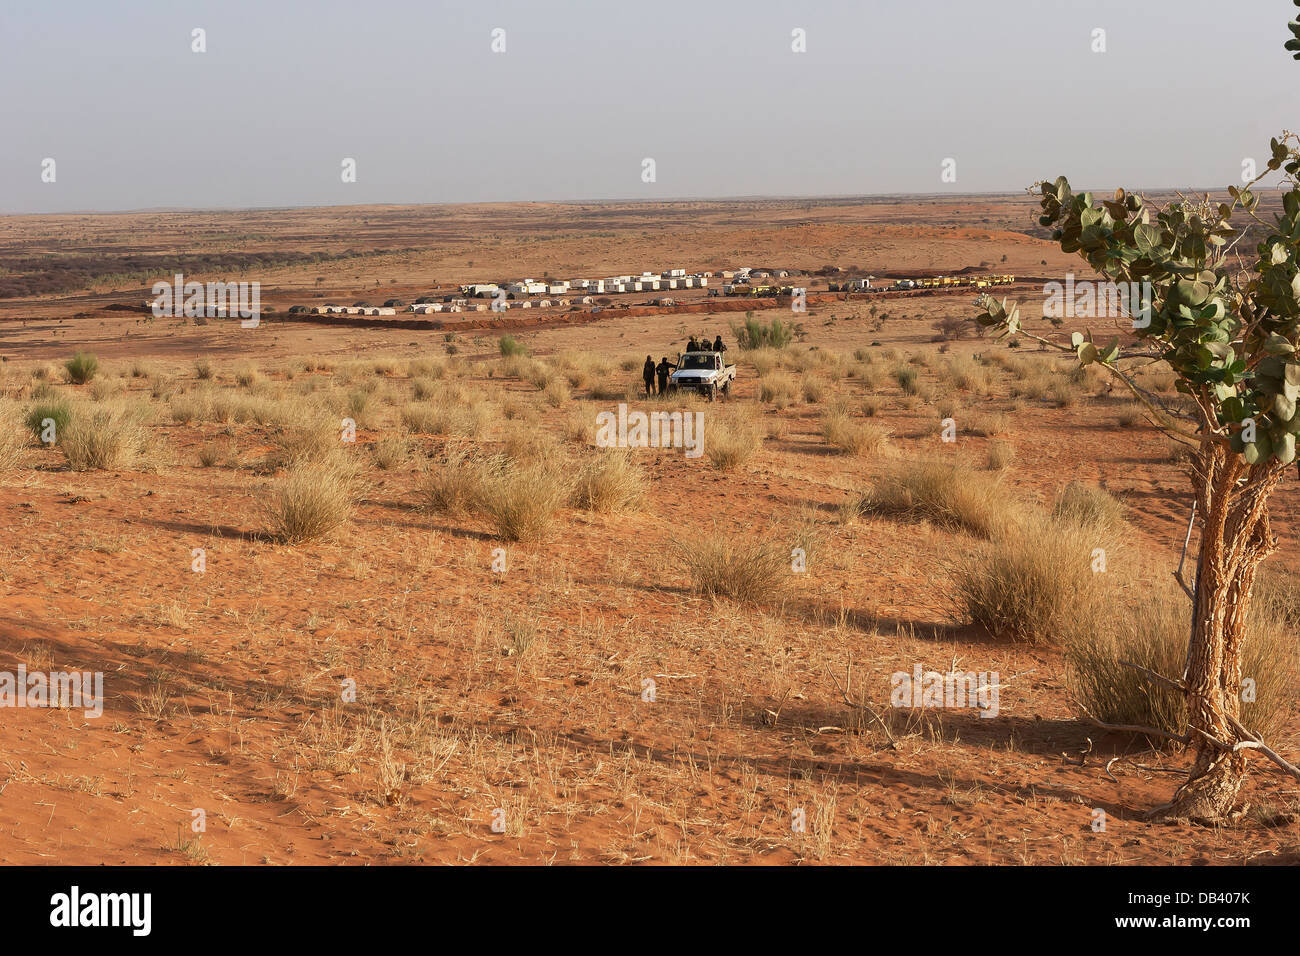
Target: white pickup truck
x,y
706,372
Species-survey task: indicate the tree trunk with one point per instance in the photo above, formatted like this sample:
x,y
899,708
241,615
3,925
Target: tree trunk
x,y
1235,538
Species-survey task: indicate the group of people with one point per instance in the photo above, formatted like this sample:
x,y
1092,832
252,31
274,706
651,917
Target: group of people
x,y
658,374
701,344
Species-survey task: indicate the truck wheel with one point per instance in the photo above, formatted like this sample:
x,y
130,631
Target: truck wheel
x,y
713,392
726,388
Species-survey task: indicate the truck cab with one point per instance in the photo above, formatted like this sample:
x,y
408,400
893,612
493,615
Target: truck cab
x,y
704,371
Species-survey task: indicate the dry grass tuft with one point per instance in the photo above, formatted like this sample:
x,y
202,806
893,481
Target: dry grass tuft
x,y
522,499
951,495
104,437
1084,504
853,437
731,440
1154,635
610,482
312,499
725,565
1035,583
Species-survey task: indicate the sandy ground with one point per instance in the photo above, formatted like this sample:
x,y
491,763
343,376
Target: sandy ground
x,y
224,688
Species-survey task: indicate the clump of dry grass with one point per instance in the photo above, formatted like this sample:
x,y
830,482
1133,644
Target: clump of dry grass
x,y
188,407
103,437
453,487
1130,414
813,388
610,482
731,440
725,565
11,437
853,437
248,375
522,499
310,437
988,424
1000,454
556,392
1278,591
951,495
778,389
1154,634
1035,583
1085,504
526,442
905,376
312,499
391,452
446,416
102,389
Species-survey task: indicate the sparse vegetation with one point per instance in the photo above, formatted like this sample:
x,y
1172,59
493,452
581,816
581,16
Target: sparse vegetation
x,y
81,368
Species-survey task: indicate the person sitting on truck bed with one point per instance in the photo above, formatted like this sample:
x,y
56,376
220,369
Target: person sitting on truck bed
x,y
719,345
648,373
693,345
664,370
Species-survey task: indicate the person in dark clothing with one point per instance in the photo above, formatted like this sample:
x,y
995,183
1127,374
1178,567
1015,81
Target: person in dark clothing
x,y
718,345
693,345
648,373
664,370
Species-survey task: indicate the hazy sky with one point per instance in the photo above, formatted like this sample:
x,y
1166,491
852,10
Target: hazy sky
x,y
587,89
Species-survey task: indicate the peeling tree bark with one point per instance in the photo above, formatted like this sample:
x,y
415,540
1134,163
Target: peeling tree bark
x,y
1235,538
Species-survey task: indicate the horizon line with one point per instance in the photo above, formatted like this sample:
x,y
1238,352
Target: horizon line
x,y
824,197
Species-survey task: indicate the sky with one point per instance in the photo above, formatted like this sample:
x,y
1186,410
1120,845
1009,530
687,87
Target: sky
x,y
585,91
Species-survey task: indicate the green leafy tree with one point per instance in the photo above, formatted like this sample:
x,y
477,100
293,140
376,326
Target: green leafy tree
x,y
1228,327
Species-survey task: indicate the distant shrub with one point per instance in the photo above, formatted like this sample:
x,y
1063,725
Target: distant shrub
x,y
509,345
81,368
753,334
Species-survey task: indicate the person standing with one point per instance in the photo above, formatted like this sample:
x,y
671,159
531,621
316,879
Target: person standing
x,y
648,374
664,370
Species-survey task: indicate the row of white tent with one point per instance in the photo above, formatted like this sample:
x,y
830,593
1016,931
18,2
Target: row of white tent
x,y
425,308
352,310
646,282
